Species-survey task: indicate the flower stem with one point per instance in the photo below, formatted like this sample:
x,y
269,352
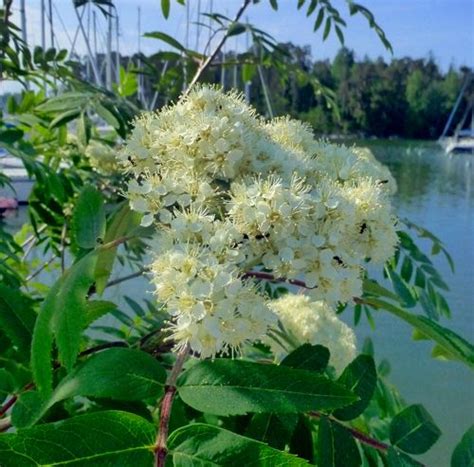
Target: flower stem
x,y
160,448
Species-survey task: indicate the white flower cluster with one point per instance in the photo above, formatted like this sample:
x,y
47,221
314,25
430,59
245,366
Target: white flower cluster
x,y
314,323
232,194
102,158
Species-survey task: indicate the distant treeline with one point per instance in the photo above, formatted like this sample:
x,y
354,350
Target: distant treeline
x,y
409,98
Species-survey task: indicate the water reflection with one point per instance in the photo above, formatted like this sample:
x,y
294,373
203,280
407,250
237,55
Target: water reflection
x,y
422,170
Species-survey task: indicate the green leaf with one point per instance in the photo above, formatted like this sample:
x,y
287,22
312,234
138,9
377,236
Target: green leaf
x,y
407,269
274,4
360,377
7,384
235,29
319,19
308,357
312,6
122,223
165,8
62,316
17,317
128,85
463,454
226,387
413,430
95,439
401,288
372,287
205,445
28,409
273,429
327,29
96,309
88,218
117,373
336,446
165,38
397,458
64,102
83,129
64,117
70,308
340,34
107,115
453,345
248,72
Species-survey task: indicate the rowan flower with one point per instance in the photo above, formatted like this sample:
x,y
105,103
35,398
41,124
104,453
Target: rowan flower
x,y
102,158
229,192
313,322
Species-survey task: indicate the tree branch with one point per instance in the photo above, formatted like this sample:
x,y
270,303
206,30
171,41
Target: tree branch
x,y
204,65
40,269
126,278
160,448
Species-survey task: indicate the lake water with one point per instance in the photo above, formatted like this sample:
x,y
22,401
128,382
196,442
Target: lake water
x,y
437,192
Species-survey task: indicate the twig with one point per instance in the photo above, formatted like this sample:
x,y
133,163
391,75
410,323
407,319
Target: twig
x,y
114,243
362,437
5,424
160,448
33,237
126,278
270,277
41,268
202,68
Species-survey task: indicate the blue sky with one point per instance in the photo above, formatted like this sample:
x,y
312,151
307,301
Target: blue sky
x,y
415,27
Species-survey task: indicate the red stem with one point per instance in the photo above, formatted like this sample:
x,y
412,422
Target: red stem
x,y
161,449
362,437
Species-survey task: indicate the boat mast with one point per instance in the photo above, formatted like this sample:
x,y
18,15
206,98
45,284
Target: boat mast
x,y
248,84
89,58
108,69
95,70
23,21
456,105
43,32
117,46
198,27
185,65
141,96
23,29
51,28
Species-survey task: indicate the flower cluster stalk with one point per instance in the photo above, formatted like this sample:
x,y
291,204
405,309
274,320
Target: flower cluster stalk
x,y
160,448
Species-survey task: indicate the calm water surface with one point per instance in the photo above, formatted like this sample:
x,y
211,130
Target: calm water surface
x,y
437,192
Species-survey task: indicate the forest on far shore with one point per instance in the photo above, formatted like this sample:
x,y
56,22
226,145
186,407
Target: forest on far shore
x,y
407,98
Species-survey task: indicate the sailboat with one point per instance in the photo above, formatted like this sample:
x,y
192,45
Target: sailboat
x,y
462,139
